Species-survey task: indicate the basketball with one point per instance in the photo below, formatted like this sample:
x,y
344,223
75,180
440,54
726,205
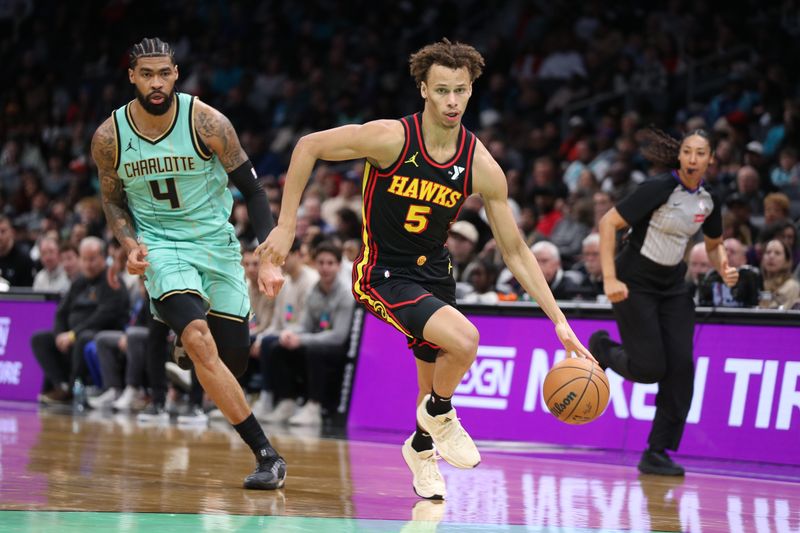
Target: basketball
x,y
576,390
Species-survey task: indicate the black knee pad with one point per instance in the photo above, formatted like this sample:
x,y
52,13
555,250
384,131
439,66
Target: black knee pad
x,y
232,336
179,309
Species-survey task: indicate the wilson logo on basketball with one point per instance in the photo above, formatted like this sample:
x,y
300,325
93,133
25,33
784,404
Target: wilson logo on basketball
x,y
558,407
576,390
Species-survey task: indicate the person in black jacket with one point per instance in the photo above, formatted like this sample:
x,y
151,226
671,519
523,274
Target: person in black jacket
x,y
16,266
90,305
713,291
589,271
645,284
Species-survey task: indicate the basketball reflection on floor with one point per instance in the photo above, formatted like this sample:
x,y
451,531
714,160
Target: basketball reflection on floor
x,y
54,461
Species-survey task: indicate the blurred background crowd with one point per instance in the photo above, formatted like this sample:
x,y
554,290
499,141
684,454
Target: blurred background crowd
x,y
567,90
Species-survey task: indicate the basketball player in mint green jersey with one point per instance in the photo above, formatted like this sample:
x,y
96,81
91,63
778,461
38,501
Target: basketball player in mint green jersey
x,y
165,160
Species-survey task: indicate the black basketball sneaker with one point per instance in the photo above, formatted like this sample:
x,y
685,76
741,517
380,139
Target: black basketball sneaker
x,y
598,345
270,474
659,463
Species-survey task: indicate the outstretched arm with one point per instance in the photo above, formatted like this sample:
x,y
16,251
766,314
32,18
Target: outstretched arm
x,y
615,290
380,141
490,183
115,204
219,136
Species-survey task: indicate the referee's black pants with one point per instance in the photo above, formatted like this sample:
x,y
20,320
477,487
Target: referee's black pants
x,y
657,331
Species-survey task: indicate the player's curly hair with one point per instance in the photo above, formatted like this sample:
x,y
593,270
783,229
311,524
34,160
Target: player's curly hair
x,y
150,47
447,54
661,148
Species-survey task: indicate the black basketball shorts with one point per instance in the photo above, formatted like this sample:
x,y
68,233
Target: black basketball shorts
x,y
406,293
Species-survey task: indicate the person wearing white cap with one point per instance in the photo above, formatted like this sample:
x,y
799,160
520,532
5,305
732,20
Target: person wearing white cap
x,y
462,242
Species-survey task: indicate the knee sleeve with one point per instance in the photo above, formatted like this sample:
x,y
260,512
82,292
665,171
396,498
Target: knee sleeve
x,y
179,309
233,342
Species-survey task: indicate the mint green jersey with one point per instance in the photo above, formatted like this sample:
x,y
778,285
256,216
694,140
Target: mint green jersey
x,y
177,190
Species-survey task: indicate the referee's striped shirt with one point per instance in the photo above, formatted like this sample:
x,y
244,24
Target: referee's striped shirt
x,y
664,214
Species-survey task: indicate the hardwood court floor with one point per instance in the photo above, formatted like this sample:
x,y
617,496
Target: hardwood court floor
x,y
95,472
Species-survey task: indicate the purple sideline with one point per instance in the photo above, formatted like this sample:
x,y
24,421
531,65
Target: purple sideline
x,y
746,407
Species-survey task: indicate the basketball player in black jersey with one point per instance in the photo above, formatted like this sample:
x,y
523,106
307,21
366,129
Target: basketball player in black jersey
x,y
419,171
652,304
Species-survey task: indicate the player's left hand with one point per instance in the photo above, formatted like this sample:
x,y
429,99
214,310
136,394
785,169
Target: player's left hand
x,y
571,342
270,278
277,246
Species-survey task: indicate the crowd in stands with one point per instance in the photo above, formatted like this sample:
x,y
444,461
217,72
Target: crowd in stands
x,y
279,70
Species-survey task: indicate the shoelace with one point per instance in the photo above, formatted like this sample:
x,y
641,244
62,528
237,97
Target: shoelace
x,y
429,468
270,465
454,429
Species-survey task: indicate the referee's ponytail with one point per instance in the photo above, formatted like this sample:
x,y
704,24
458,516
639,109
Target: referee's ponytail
x,y
662,149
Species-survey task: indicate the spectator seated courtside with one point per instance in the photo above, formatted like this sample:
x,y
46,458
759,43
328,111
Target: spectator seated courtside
x,y
90,305
309,357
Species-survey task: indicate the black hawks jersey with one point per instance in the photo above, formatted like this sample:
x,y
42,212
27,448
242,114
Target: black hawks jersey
x,y
409,206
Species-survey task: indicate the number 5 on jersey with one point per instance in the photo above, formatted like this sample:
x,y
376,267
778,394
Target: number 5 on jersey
x,y
417,218
170,193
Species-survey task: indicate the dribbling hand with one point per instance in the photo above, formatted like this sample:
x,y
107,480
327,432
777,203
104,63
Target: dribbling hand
x,y
571,342
615,290
277,246
137,263
270,278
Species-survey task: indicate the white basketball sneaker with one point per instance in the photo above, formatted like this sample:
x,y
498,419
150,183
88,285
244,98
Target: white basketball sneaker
x,y
449,436
282,412
263,405
428,481
104,400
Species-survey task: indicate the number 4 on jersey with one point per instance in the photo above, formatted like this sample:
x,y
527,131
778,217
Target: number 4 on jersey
x,y
171,192
417,218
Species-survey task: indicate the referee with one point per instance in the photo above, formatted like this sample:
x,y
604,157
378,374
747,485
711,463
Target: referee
x,y
645,284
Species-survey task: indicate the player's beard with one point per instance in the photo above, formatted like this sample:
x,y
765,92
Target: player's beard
x,y
155,109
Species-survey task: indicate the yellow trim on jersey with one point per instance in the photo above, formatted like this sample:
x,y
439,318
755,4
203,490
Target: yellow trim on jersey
x,y
167,131
226,316
378,307
183,291
117,153
195,141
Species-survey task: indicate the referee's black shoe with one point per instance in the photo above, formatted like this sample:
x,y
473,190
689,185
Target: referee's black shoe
x,y
180,356
659,463
598,345
270,474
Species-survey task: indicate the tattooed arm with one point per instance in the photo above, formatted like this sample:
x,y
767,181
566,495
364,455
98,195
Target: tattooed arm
x,y
115,206
218,134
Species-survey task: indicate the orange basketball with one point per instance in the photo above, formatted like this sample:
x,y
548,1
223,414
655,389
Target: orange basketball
x,y
576,390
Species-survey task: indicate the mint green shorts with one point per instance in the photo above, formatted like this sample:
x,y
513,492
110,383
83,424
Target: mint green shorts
x,y
213,271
